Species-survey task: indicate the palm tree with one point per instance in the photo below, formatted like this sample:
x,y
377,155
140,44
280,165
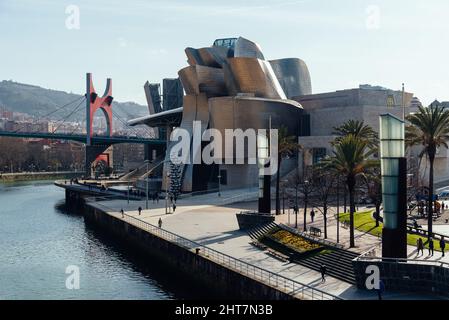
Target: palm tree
x,y
428,127
287,145
358,129
351,159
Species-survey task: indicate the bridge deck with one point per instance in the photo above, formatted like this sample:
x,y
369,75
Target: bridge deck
x,y
96,140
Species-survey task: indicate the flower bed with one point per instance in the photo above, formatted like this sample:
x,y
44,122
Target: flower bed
x,y
294,242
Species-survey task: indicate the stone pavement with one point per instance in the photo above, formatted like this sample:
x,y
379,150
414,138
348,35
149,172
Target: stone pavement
x,y
203,220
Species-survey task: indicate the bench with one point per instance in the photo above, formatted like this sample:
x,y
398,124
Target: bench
x,y
315,231
258,245
278,255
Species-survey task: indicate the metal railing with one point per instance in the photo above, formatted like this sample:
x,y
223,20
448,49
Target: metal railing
x,y
372,257
284,284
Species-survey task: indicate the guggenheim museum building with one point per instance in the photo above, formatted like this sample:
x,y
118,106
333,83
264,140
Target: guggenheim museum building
x,y
229,85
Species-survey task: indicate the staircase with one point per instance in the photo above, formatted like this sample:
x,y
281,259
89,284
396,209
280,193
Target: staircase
x,y
338,264
258,232
142,171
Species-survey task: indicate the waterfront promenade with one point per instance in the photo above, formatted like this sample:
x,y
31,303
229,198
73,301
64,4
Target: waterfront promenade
x,y
207,220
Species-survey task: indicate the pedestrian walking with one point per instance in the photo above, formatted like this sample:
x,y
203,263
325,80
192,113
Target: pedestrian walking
x,y
122,212
381,289
140,210
420,246
312,215
431,247
442,246
159,223
323,270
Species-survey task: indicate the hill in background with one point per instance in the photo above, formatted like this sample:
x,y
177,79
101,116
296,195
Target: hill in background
x,y
37,101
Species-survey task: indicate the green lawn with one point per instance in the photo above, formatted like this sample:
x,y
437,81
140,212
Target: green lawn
x,y
364,221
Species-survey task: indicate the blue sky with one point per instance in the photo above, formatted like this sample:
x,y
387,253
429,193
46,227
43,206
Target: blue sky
x,y
344,43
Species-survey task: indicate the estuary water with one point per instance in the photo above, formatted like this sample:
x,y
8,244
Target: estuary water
x,y
40,238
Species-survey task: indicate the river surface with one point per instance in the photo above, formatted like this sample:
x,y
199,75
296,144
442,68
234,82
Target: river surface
x,y
40,238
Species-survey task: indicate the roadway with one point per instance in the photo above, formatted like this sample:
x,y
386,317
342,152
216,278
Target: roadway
x,y
96,140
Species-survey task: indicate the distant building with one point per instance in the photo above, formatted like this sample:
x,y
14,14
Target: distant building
x,y
325,111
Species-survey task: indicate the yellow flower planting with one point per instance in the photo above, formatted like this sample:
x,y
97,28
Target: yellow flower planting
x,y
294,241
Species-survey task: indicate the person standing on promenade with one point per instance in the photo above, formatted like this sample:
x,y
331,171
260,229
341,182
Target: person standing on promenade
x,y
323,273
122,212
420,246
312,215
159,223
431,247
140,210
381,289
442,246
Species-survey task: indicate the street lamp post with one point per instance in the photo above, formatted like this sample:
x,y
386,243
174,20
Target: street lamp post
x,y
296,206
128,191
283,201
219,184
167,208
306,200
146,185
338,210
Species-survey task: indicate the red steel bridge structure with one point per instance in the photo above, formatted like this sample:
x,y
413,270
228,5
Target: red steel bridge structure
x,y
95,144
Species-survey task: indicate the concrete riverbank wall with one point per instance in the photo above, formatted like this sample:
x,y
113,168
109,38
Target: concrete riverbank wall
x,y
406,276
229,283
32,176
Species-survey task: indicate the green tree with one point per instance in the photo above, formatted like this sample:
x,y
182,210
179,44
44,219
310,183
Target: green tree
x,y
351,159
287,146
359,130
429,127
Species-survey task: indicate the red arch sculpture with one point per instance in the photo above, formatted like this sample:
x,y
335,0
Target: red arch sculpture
x,y
94,102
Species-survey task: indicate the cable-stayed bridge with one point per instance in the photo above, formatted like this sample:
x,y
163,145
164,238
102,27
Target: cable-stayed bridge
x,y
96,144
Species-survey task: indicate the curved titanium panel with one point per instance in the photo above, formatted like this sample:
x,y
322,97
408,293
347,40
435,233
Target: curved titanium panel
x,y
193,57
293,75
255,76
214,56
246,48
252,113
200,79
195,108
210,57
189,80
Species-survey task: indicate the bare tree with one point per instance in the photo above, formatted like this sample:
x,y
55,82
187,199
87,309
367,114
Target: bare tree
x,y
324,186
304,187
373,183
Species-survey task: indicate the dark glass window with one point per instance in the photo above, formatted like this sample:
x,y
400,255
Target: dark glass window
x,y
304,125
318,154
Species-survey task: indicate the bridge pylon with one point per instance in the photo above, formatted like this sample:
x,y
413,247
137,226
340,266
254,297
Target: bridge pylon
x,y
94,102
